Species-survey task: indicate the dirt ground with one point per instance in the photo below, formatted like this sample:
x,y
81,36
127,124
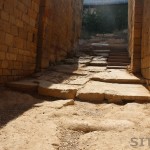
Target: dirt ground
x,y
31,122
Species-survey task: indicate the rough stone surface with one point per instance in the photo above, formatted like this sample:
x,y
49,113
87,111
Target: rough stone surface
x,y
80,81
58,90
100,91
98,58
98,63
27,122
70,69
94,68
85,60
117,76
100,44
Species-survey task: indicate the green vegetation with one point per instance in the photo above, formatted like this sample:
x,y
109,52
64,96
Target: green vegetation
x,y
105,19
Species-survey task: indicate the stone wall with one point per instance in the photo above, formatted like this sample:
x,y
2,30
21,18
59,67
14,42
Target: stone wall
x,y
34,33
145,67
18,33
135,33
61,30
139,37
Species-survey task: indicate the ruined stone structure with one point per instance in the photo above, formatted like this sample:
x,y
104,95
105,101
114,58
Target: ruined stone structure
x,y
37,33
139,35
34,33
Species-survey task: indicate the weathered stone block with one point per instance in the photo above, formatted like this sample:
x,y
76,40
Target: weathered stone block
x,y
58,90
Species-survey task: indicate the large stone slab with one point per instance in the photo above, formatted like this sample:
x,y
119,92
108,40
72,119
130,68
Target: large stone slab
x,y
63,91
84,61
112,92
58,77
98,63
99,58
116,67
94,68
117,76
54,77
100,44
85,57
80,80
92,92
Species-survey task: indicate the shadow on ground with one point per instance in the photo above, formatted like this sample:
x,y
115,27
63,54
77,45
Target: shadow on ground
x,y
13,104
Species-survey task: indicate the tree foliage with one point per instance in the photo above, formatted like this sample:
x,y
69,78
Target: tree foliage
x,y
105,19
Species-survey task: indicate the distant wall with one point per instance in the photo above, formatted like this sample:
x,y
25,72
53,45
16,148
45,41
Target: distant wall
x,y
34,33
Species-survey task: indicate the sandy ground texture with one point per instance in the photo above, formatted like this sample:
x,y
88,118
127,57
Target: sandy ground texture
x,y
33,122
29,122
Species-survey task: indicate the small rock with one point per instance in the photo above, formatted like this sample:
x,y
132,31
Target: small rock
x,y
62,103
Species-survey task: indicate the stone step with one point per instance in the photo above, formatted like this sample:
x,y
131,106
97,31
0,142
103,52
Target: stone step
x,y
117,76
24,85
101,54
118,54
100,47
117,64
116,67
97,63
99,44
118,60
118,51
69,69
94,68
119,57
99,59
101,51
84,61
45,88
62,91
99,92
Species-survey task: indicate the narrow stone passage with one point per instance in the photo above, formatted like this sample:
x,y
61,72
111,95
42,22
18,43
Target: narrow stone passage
x,y
98,73
50,114
60,90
